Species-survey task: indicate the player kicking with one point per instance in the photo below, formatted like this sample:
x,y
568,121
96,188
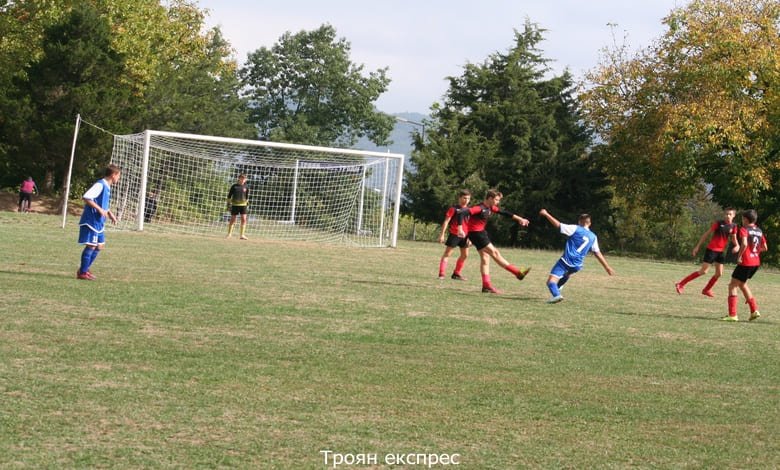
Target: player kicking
x,y
475,229
453,238
722,231
579,242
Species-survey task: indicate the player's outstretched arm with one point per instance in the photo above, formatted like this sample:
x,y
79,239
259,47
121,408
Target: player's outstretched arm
x,y
555,222
604,263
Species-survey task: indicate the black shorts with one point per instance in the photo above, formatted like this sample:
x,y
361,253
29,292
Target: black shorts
x,y
711,257
235,210
479,239
25,197
743,273
454,240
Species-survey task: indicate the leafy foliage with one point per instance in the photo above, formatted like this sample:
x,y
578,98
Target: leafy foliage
x,y
124,64
504,124
306,90
696,111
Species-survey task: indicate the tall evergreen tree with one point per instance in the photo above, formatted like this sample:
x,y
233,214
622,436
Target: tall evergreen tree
x,y
78,72
504,124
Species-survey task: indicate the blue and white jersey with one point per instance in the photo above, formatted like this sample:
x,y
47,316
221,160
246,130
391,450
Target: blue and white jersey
x,y
100,192
580,242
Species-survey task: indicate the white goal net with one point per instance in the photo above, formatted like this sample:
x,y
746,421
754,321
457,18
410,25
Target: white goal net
x,y
177,182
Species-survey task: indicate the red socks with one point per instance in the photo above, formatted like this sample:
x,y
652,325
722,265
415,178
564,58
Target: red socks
x,y
459,265
732,302
710,283
690,277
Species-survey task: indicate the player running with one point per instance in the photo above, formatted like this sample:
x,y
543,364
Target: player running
x,y
474,228
753,242
722,231
580,241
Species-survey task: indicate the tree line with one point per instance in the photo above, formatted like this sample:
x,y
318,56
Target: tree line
x,y
651,143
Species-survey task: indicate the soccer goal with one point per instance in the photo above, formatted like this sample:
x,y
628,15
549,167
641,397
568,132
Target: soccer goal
x,y
177,182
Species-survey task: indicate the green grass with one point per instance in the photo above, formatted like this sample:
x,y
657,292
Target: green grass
x,y
196,352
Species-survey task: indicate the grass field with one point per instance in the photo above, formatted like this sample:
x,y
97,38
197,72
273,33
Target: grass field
x,y
195,352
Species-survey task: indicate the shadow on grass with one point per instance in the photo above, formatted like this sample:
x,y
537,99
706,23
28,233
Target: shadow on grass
x,y
454,291
716,318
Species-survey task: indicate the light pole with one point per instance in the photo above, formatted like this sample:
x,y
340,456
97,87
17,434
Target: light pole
x,y
415,123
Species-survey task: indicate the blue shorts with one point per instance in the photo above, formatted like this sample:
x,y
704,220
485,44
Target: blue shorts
x,y
87,236
562,269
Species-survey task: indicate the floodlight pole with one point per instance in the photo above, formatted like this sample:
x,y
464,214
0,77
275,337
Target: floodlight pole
x,y
415,123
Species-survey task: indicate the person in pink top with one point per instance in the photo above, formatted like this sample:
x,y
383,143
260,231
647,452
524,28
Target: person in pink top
x,y
722,231
26,190
751,243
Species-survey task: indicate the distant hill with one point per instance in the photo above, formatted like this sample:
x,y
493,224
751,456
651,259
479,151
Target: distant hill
x,y
401,136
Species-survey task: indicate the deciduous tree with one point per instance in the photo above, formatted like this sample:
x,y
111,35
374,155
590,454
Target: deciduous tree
x,y
305,89
695,111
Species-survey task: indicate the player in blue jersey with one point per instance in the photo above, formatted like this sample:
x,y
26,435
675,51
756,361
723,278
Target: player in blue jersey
x,y
93,220
579,242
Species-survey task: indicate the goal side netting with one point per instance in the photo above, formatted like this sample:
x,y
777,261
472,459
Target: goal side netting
x,y
174,182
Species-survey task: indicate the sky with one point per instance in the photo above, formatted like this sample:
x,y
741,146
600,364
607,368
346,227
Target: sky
x,y
424,41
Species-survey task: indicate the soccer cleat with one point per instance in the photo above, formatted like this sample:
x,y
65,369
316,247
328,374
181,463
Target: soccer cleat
x,y
555,300
84,276
754,315
730,318
708,293
90,276
490,290
243,237
441,277
678,287
523,273
457,277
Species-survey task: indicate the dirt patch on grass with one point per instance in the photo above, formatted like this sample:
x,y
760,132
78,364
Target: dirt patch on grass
x,y
50,205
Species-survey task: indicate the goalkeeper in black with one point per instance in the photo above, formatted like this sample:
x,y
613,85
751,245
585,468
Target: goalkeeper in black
x,y
237,202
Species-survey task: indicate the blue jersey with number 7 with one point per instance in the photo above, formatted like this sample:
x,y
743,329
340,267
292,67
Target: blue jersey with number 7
x,y
580,242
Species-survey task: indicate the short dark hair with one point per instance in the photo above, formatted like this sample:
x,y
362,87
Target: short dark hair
x,y
751,215
111,169
583,218
464,192
493,193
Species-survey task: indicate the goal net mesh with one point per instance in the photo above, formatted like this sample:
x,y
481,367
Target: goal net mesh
x,y
180,182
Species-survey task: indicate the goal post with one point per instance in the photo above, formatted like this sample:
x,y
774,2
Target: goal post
x,y
177,182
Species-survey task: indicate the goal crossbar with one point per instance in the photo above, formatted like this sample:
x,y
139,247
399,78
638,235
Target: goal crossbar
x,y
174,181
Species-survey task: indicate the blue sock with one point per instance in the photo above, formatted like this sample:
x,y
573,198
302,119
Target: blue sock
x,y
553,288
95,253
563,281
86,258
